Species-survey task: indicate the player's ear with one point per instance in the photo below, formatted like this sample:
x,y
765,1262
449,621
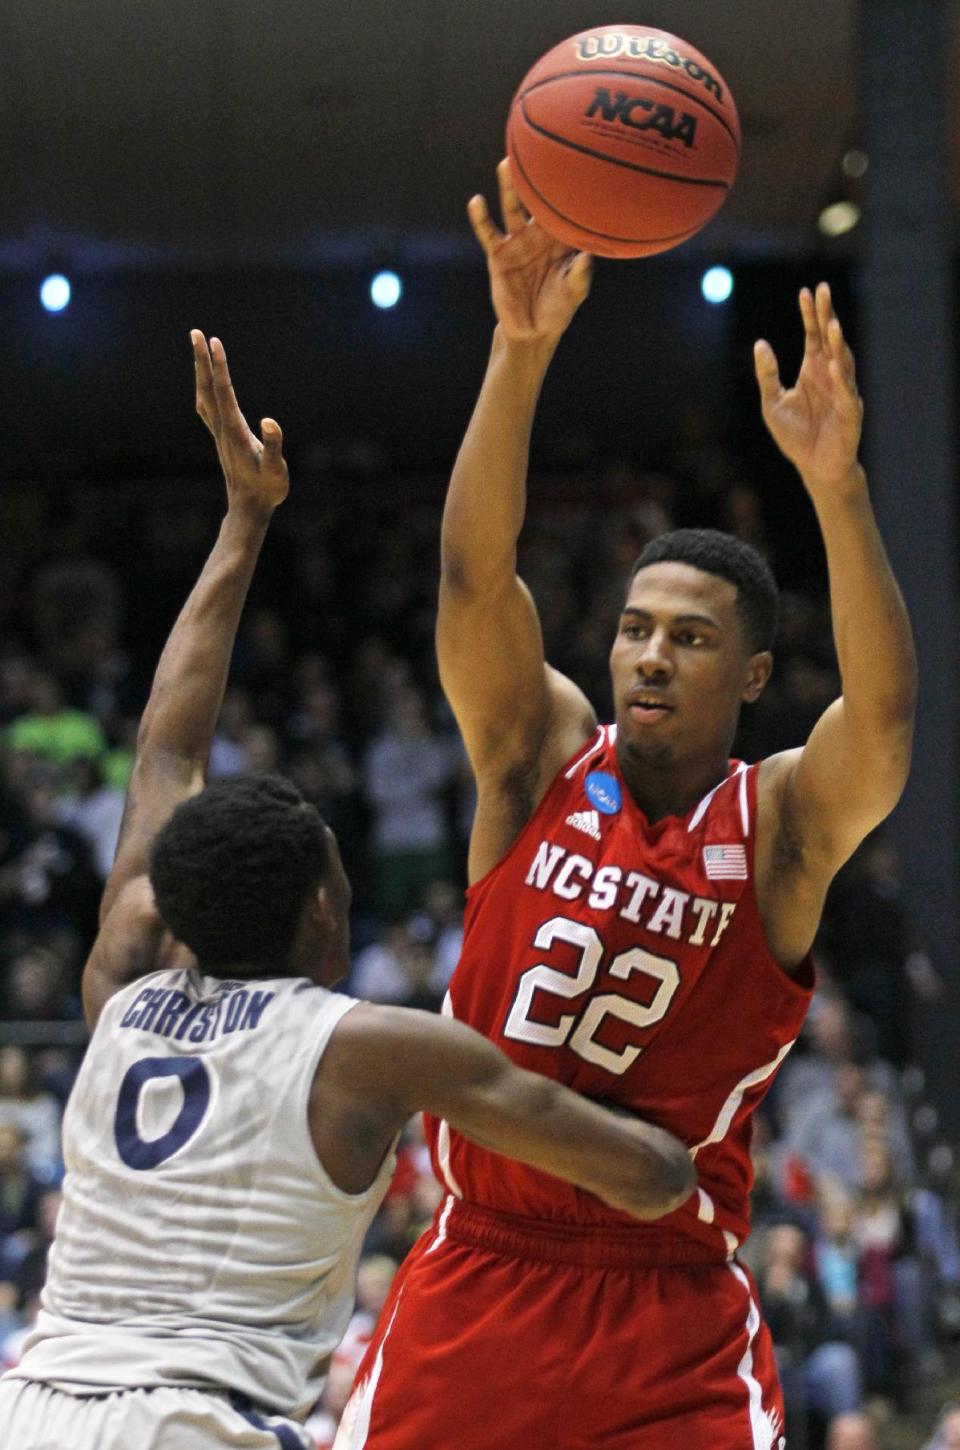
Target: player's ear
x,y
759,670
318,912
322,908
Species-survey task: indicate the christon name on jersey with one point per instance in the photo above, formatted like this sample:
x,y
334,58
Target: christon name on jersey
x,y
168,1012
698,920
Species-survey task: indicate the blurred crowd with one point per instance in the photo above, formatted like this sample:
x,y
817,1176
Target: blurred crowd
x,y
334,683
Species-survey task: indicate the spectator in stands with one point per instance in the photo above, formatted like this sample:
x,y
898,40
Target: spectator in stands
x,y
809,1086
76,609
20,1188
818,1368
34,982
852,1431
36,1114
946,1435
12,1346
17,674
228,753
783,1187
406,769
894,1279
836,1256
262,745
398,967
262,663
9,1318
31,1273
321,763
51,730
94,809
440,920
47,877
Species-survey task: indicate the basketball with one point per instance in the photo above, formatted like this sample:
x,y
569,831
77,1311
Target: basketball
x,y
623,141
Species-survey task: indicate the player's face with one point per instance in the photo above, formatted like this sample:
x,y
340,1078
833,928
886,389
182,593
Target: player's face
x,y
680,664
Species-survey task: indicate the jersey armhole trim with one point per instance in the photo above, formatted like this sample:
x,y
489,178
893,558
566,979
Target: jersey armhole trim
x,y
559,782
342,1005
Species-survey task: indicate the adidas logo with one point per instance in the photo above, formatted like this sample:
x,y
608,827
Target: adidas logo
x,y
586,821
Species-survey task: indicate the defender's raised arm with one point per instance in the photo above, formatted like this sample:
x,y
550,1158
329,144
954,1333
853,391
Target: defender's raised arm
x,y
173,741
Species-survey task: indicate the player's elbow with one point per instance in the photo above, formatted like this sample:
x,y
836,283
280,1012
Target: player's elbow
x,y
665,1179
472,574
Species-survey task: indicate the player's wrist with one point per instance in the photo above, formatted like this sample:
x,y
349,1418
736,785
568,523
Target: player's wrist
x,y
525,354
837,490
244,528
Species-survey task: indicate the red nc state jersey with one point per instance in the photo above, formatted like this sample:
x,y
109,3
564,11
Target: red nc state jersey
x,y
628,961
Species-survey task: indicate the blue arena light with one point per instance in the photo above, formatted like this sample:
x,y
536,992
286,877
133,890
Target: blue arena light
x,y
386,289
55,292
717,284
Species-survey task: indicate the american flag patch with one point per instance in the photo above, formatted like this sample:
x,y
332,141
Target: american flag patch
x,y
725,863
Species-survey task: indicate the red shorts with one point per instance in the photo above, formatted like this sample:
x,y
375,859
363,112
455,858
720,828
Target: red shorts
x,y
502,1333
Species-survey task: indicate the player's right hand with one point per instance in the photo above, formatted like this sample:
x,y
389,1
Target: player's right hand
x,y
255,471
536,283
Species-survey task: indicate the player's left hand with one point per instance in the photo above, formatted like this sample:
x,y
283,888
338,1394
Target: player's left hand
x,y
817,423
255,471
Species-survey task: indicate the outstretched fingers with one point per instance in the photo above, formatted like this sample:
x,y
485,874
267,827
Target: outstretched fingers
x,y
579,271
511,210
272,435
841,363
226,399
814,341
768,373
484,230
203,374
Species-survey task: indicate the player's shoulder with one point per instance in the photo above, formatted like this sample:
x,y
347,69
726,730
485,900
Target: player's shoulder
x,y
132,942
775,778
572,719
512,790
775,771
780,850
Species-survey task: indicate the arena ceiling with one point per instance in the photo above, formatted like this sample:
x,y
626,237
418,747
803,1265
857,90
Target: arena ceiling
x,y
237,132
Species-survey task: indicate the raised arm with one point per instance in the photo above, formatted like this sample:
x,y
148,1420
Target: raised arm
x,y
508,703
392,1062
819,802
173,741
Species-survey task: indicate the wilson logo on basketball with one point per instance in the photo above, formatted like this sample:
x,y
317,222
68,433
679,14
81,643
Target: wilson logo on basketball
x,y
642,115
648,47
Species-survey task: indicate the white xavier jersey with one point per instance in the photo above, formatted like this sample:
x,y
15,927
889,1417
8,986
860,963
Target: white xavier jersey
x,y
200,1241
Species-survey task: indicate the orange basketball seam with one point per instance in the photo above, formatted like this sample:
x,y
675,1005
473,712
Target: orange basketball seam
x,y
618,161
635,76
675,237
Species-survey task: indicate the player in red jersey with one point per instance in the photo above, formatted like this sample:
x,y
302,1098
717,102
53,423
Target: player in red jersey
x,y
639,922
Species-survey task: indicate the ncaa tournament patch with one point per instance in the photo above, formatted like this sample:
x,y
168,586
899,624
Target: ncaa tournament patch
x,y
603,791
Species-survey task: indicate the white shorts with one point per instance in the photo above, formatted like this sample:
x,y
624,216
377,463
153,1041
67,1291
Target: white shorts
x,y
35,1416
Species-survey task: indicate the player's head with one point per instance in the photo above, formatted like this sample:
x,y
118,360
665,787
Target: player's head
x,y
692,645
248,876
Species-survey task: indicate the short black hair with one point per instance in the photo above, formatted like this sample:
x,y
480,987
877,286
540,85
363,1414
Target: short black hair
x,y
232,867
758,599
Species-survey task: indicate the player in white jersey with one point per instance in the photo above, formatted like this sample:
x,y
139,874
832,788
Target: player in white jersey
x,y
230,1134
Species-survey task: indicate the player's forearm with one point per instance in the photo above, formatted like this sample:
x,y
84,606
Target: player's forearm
x,y
191,677
631,1165
871,628
486,499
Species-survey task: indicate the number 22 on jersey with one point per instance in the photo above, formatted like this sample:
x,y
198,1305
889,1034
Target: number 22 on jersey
x,y
581,1031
